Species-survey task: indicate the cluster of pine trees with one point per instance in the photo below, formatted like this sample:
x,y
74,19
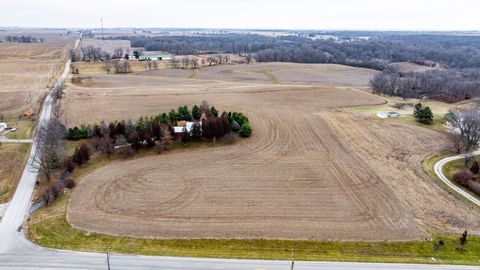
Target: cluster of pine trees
x,y
208,124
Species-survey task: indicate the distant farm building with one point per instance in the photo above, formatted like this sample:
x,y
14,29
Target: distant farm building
x,y
3,126
155,57
388,114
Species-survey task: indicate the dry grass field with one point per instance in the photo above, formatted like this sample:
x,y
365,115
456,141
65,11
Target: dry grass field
x,y
311,170
27,71
12,157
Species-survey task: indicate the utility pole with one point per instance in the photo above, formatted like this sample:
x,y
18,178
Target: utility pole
x,y
101,23
292,267
108,255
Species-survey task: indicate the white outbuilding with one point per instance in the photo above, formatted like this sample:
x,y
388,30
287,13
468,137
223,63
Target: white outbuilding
x,y
3,126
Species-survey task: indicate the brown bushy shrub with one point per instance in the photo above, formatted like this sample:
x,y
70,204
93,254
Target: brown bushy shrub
x,y
126,152
474,186
51,193
69,183
462,177
69,164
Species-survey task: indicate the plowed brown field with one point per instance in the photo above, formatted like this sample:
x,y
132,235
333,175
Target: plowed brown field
x,y
27,71
307,172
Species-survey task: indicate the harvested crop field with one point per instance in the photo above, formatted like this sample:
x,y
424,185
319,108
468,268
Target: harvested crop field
x,y
107,45
283,73
27,71
304,173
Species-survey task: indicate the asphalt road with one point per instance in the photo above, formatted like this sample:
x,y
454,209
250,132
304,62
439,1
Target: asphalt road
x,y
438,171
18,253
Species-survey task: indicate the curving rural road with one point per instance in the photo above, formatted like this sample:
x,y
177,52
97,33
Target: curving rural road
x,y
438,171
18,253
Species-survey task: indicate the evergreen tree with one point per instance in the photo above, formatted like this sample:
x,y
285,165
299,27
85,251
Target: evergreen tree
x,y
112,131
214,111
183,113
196,112
245,130
120,128
423,114
172,117
97,131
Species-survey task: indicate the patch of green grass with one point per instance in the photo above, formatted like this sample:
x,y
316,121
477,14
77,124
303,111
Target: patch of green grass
x,y
48,227
24,127
437,124
439,109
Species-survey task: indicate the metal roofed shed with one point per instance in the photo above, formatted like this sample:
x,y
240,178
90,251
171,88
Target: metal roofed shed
x,y
388,115
155,57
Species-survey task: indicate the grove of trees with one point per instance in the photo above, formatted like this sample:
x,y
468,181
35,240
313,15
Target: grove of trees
x,y
23,39
377,52
208,125
448,85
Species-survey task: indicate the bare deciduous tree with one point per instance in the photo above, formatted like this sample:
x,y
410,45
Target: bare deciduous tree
x,y
467,125
249,58
174,62
49,147
107,66
226,58
122,66
118,53
211,60
194,62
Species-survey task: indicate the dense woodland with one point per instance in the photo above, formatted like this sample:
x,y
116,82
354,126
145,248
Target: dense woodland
x,y
453,51
456,55
448,85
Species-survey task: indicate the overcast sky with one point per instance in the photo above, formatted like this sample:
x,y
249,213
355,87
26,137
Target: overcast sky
x,y
263,14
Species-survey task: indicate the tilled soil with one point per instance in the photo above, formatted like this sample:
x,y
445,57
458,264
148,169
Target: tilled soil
x,y
298,177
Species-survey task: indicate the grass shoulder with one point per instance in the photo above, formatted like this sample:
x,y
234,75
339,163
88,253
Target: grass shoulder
x,y
49,228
